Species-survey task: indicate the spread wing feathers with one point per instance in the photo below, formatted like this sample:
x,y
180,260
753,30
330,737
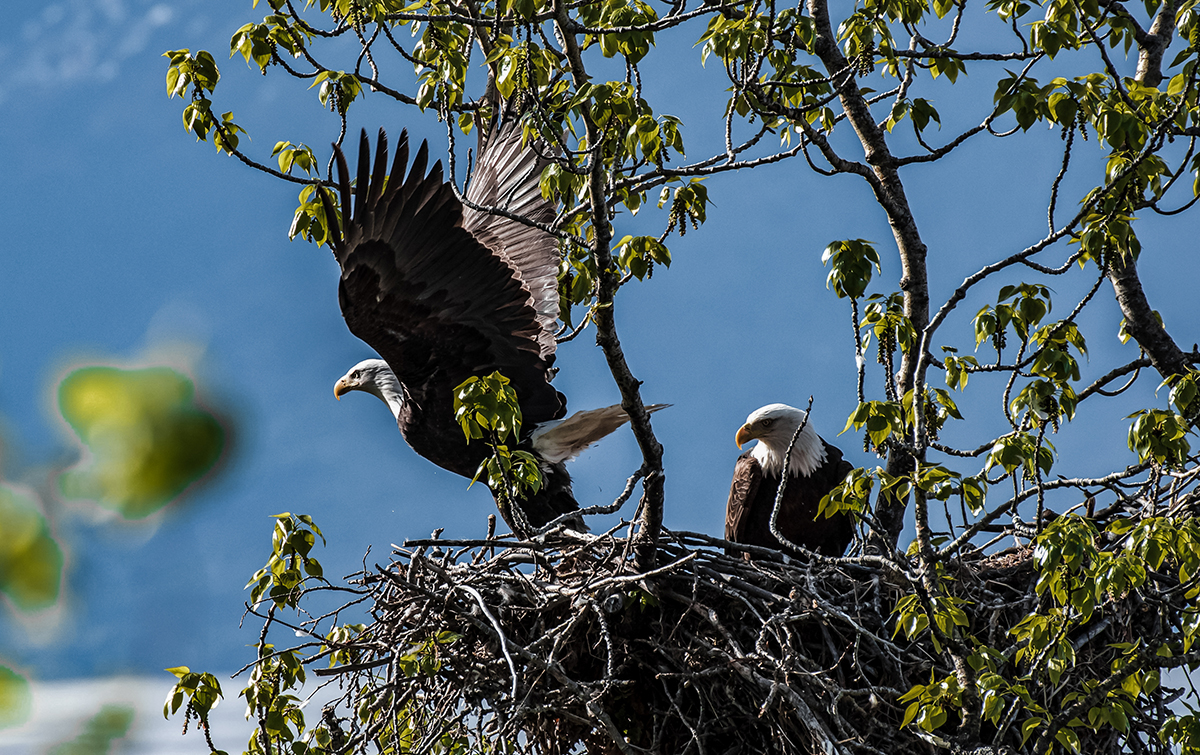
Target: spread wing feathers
x,y
507,176
747,479
563,440
428,296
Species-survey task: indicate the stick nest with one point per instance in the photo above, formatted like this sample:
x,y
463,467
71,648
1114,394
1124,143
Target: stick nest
x,y
559,645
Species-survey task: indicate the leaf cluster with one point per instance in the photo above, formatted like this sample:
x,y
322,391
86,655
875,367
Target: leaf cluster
x,y
290,564
487,408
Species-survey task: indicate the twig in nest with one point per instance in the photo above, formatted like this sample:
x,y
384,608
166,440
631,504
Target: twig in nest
x,y
512,667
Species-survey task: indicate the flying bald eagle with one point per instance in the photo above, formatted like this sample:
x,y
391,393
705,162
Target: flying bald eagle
x,y
445,292
816,468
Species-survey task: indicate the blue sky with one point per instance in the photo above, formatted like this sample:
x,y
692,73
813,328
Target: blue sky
x,y
128,243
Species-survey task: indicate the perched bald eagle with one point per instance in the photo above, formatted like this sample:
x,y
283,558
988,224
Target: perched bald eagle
x,y
816,468
444,292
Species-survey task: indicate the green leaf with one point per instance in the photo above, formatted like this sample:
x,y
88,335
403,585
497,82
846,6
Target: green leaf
x,y
635,253
112,722
1029,727
1068,738
1159,435
16,700
850,266
31,561
487,408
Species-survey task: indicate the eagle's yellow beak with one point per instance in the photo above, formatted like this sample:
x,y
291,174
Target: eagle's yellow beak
x,y
340,388
744,436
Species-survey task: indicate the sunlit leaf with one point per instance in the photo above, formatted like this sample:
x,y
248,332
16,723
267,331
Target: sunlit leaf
x,y
31,561
16,702
146,440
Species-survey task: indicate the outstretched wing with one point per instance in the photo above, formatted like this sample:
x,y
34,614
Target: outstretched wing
x,y
436,303
507,176
747,478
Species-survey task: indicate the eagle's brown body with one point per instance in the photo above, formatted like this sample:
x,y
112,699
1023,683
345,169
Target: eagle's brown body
x,y
815,468
752,496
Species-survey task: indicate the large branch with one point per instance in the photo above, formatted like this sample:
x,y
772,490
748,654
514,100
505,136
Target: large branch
x,y
914,283
889,192
606,329
1140,322
1151,49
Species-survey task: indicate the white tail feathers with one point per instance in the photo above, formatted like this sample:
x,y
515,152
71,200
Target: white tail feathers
x,y
564,439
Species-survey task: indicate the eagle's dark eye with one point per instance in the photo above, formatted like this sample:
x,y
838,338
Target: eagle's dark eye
x,y
355,375
767,421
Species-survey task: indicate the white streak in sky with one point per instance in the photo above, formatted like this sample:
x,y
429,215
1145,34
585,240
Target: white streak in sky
x,y
61,710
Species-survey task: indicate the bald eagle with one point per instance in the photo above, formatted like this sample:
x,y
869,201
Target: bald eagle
x,y
444,292
816,468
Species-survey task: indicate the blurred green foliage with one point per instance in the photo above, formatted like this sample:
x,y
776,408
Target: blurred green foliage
x,y
14,698
30,561
148,440
112,722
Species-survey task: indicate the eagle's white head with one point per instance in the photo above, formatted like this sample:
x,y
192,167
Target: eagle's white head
x,y
375,377
773,426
